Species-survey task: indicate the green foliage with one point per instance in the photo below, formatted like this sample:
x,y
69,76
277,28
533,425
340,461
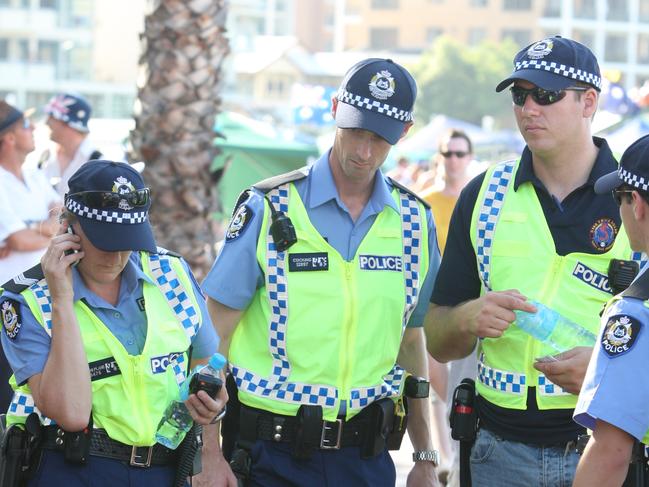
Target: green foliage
x,y
460,81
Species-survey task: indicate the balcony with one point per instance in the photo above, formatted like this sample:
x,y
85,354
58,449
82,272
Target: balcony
x,y
15,73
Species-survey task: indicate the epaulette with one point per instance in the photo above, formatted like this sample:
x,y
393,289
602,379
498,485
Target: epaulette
x,y
408,190
163,251
639,288
273,182
22,281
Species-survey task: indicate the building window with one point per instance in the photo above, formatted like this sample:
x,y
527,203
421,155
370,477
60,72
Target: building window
x,y
585,9
586,37
23,50
433,33
615,48
479,3
5,3
643,48
643,14
37,98
552,8
477,35
48,52
383,38
617,10
122,106
276,87
517,4
4,49
385,4
520,36
51,4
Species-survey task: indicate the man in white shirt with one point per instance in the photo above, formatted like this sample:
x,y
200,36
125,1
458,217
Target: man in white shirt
x,y
68,117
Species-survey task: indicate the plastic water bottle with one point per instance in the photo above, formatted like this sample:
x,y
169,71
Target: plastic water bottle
x,y
553,329
177,420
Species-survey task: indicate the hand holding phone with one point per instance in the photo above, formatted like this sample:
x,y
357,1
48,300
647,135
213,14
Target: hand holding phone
x,y
70,230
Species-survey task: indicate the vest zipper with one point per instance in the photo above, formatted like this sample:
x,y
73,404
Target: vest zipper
x,y
348,334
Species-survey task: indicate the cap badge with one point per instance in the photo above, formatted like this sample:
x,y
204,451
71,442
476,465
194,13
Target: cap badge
x,y
540,49
382,85
121,185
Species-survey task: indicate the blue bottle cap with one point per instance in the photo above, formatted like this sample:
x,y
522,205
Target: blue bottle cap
x,y
217,361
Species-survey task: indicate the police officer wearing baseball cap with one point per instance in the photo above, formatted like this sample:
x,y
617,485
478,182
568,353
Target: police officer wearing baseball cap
x,y
315,315
531,229
68,115
86,331
613,376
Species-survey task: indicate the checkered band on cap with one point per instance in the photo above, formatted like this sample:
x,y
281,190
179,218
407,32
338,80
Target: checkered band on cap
x,y
121,217
374,106
494,197
633,179
562,70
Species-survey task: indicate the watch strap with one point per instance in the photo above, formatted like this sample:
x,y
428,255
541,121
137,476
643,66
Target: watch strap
x,y
426,456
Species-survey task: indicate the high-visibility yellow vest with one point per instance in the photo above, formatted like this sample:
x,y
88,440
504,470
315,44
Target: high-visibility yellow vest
x,y
322,329
515,250
129,393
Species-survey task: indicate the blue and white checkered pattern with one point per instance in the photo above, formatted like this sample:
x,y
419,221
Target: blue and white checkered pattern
x,y
23,405
640,257
41,292
120,217
277,386
501,380
374,106
411,222
178,299
633,179
547,388
492,203
560,69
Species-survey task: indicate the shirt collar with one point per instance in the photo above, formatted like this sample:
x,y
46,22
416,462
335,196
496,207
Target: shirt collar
x,y
130,277
603,165
325,190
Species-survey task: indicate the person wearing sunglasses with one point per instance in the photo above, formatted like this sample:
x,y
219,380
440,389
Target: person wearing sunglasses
x,y
68,116
612,378
531,228
107,327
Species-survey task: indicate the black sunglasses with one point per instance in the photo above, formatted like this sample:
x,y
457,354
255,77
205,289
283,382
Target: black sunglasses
x,y
541,96
456,153
108,199
618,192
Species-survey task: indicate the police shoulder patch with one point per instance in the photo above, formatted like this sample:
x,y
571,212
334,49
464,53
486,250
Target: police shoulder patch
x,y
620,334
240,220
11,323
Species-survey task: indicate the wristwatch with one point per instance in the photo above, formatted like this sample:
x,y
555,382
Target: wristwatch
x,y
426,456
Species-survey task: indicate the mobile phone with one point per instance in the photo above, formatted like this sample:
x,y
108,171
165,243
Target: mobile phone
x,y
205,382
70,230
547,358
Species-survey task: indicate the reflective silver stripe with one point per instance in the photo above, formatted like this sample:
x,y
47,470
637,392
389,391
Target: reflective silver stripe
x,y
492,203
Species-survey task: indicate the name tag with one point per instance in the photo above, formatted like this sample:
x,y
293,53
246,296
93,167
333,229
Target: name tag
x,y
103,368
380,262
317,261
160,364
591,277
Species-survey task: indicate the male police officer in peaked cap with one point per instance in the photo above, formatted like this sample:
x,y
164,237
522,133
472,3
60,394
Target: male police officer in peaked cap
x,y
614,402
321,318
101,330
531,229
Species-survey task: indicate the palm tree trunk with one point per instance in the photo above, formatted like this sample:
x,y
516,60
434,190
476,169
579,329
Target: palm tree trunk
x,y
183,48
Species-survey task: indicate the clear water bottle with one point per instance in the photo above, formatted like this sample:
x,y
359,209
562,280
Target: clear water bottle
x,y
177,421
553,329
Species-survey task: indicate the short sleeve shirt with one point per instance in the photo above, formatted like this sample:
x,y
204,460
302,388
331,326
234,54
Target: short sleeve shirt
x,y
236,274
615,389
27,352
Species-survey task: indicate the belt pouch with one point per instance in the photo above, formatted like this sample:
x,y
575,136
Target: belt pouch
x,y
379,425
308,432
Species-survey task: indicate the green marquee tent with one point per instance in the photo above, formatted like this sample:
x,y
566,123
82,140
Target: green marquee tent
x,y
252,151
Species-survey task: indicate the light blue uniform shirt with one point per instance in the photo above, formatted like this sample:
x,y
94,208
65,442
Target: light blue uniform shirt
x,y
236,275
27,353
616,388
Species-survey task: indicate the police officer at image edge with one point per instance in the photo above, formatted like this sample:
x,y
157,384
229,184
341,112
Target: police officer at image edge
x,y
614,400
307,320
526,225
156,312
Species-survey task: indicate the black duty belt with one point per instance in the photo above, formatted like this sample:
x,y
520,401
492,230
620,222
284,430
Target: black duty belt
x,y
101,445
333,434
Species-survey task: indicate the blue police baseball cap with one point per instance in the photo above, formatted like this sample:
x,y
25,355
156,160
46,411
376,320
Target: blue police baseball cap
x,y
633,169
112,204
376,95
554,64
74,110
